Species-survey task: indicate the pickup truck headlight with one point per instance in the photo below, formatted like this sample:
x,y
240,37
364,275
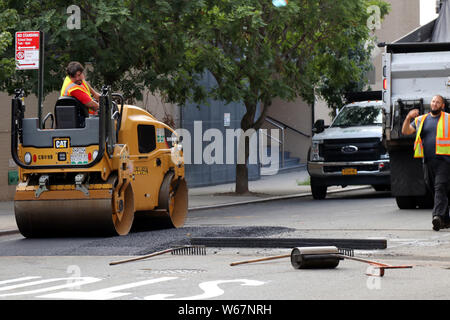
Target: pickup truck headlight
x,y
384,156
315,156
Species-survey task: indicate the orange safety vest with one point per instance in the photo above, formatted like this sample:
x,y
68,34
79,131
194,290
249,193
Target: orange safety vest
x,y
442,135
68,87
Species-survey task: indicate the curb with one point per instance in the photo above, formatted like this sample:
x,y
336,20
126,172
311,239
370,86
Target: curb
x,y
8,232
231,204
274,198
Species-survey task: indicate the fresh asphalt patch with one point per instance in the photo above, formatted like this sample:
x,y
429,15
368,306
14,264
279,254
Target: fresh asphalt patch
x,y
135,243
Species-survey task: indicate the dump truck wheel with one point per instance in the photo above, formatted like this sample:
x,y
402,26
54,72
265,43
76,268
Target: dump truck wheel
x,y
406,202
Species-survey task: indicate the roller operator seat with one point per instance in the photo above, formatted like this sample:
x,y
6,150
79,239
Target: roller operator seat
x,y
70,113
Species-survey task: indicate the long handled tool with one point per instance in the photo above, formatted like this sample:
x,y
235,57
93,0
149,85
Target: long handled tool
x,y
182,250
261,259
327,257
377,265
317,250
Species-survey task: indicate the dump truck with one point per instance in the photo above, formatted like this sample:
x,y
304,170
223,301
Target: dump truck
x,y
95,175
415,68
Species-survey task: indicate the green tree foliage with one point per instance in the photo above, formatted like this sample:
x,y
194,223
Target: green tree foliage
x,y
8,19
128,44
258,52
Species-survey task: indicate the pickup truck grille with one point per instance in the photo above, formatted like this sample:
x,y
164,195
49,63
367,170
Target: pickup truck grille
x,y
369,149
332,169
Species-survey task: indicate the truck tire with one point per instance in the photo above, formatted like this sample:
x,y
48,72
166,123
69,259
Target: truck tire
x,y
425,202
406,202
382,187
319,191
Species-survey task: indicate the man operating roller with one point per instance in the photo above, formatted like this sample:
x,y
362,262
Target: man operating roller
x,y
76,86
432,144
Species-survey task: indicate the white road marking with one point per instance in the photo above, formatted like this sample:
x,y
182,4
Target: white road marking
x,y
18,280
70,282
210,290
104,294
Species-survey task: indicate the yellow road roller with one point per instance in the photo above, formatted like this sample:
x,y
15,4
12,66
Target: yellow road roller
x,y
95,175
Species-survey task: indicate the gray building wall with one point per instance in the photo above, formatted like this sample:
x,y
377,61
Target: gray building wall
x,y
207,117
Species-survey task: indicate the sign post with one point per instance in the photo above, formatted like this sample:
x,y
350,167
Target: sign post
x,y
41,77
30,56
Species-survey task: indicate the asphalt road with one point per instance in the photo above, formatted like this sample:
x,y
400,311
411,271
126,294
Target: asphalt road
x,y
78,268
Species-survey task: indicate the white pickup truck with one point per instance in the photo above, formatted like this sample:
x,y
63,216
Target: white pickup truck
x,y
350,151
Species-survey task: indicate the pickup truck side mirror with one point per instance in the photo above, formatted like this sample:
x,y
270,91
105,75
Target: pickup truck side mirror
x,y
319,126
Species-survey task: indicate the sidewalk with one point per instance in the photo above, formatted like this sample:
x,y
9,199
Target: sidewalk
x,y
268,188
272,187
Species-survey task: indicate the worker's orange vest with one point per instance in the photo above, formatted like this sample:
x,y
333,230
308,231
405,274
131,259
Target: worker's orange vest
x,y
68,87
442,135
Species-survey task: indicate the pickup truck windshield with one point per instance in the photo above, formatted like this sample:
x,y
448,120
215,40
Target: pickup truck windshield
x,y
358,116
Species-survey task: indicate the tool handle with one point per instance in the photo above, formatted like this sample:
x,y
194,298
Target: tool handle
x,y
364,260
396,267
142,257
374,263
260,259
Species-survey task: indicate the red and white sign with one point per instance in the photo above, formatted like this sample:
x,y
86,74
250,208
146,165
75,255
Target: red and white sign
x,y
27,50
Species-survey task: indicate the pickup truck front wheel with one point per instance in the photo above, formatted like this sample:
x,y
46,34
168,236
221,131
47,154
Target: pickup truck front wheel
x,y
319,191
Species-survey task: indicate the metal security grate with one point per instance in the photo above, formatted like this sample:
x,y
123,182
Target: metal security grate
x,y
372,167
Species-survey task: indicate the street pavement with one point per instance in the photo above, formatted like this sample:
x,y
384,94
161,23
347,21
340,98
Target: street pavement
x,y
268,188
78,268
53,268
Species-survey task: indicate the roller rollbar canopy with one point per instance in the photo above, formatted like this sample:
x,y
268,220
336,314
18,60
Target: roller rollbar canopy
x,y
17,115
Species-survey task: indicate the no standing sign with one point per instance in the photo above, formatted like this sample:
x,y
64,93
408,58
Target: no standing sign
x,y
27,50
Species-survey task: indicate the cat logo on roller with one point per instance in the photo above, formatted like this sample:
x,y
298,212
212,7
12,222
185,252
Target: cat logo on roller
x,y
102,195
61,143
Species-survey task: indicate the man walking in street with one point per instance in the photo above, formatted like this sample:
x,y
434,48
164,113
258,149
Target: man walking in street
x,y
432,144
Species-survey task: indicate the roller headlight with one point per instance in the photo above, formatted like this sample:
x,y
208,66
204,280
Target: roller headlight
x,y
27,158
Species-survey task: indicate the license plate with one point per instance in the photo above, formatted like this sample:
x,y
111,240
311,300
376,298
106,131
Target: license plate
x,y
349,171
79,156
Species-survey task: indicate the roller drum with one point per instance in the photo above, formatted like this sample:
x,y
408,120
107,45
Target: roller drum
x,y
53,218
315,257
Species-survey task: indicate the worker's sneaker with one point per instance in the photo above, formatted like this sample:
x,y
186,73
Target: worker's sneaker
x,y
437,223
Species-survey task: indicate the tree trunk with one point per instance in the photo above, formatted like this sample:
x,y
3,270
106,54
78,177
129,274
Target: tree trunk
x,y
241,179
242,171
247,122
